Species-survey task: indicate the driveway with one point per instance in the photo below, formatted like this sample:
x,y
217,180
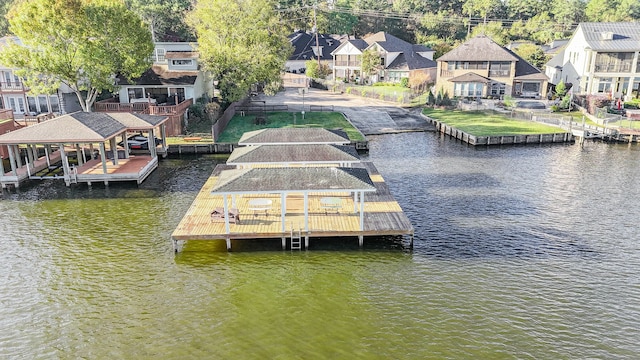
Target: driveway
x,y
370,116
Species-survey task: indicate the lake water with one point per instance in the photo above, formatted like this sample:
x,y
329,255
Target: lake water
x,y
520,252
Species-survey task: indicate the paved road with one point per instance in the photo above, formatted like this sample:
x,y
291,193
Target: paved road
x,y
370,116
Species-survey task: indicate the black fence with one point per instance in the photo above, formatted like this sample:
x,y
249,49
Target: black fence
x,y
260,109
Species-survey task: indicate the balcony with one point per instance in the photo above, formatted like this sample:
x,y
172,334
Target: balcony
x,y
355,64
613,67
446,73
12,86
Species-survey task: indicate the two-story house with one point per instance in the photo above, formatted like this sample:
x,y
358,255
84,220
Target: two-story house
x,y
305,49
600,58
398,59
481,68
174,75
15,95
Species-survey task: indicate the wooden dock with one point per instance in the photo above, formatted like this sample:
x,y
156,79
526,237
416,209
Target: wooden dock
x,y
383,216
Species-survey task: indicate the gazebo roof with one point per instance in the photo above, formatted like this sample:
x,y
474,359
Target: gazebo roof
x,y
275,136
298,179
81,127
313,153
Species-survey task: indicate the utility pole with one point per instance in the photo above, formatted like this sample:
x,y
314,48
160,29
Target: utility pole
x,y
315,26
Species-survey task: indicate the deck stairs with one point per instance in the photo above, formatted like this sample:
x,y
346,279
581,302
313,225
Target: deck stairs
x,y
296,239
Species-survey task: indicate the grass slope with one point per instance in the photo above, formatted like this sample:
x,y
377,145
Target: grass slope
x,y
480,123
328,120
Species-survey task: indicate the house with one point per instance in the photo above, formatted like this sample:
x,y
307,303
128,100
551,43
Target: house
x,y
305,48
15,95
398,59
174,75
481,68
600,58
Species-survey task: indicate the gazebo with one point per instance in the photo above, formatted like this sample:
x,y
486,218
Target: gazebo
x,y
48,146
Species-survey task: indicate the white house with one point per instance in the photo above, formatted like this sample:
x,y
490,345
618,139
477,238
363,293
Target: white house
x,y
175,74
15,95
600,58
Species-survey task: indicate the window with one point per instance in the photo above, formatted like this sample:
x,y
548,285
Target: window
x,y
136,93
498,89
530,87
182,62
604,85
32,105
158,55
500,68
42,101
472,89
55,105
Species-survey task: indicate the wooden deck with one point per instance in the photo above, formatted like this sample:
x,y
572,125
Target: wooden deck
x,y
135,168
382,215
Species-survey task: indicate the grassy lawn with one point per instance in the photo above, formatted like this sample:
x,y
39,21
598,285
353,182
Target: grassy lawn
x,y
480,123
328,120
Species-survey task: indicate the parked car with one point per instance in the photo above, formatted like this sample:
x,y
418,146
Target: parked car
x,y
139,142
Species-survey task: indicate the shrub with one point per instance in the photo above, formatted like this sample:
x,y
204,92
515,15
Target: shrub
x,y
597,101
404,82
348,91
431,100
400,99
508,101
381,96
555,108
364,93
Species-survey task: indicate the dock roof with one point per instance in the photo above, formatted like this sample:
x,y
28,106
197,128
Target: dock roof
x,y
313,153
81,127
275,136
300,179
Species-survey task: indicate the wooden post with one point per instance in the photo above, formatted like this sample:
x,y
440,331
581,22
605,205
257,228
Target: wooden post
x,y
362,211
228,244
284,243
360,240
12,160
18,157
103,157
65,165
283,212
114,150
225,206
306,212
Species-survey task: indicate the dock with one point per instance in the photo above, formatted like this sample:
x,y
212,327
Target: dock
x,y
382,216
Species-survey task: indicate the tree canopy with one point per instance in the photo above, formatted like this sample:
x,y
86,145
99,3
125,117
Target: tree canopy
x,y
241,42
82,44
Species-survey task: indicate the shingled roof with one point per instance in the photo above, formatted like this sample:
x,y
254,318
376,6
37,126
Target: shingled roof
x,y
81,127
411,62
160,75
304,42
625,36
479,48
470,77
274,136
298,179
313,153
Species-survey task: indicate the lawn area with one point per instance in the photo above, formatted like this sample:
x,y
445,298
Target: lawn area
x,y
328,120
480,123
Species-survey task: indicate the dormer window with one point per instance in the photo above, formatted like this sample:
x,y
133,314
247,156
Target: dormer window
x,y
182,62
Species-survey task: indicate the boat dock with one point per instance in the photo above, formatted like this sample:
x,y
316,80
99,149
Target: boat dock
x,y
328,214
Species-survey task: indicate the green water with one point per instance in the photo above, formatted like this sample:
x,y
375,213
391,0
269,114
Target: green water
x,y
514,257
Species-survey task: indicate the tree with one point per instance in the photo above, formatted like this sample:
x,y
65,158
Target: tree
x,y
484,8
370,62
315,71
5,5
533,54
241,42
612,10
82,44
493,29
164,17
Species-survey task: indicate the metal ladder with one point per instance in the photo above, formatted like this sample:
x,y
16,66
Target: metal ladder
x,y
296,239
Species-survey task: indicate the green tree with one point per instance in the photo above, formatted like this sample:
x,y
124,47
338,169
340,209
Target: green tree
x,y
533,54
5,5
568,12
442,26
526,9
561,89
370,62
484,8
164,17
241,42
315,71
612,10
82,44
494,30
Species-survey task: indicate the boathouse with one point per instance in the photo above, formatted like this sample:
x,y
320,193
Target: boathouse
x,y
282,188
83,147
